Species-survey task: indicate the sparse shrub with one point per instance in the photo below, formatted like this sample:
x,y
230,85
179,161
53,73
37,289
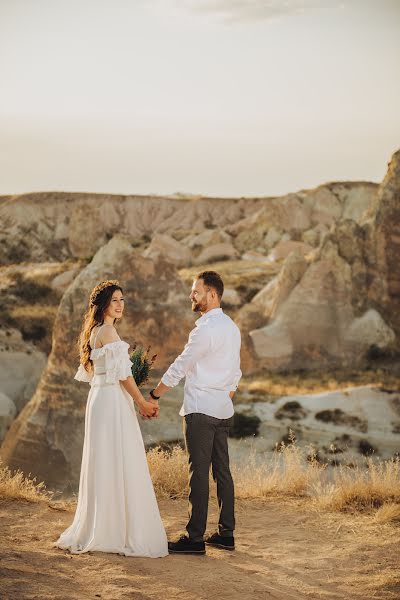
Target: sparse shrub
x,y
34,331
375,353
17,485
365,448
244,426
291,410
35,323
17,253
29,290
338,417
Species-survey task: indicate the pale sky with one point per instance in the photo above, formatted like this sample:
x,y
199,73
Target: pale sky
x,y
214,97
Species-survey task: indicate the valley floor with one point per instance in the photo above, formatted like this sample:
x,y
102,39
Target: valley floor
x,y
284,552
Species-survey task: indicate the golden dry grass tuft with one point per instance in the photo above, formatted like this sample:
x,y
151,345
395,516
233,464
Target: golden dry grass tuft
x,y
293,472
286,473
388,513
169,472
373,486
18,486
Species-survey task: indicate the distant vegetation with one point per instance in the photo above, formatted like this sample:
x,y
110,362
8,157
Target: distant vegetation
x,y
270,385
29,303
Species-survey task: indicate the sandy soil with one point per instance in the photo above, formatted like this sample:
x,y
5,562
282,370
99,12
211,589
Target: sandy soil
x,y
284,551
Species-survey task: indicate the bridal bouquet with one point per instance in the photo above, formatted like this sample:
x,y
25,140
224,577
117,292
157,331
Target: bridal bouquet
x,y
141,364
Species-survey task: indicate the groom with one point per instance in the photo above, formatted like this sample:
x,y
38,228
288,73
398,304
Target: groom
x,y
210,362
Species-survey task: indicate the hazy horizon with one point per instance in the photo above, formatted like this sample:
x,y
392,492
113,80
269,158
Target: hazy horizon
x,y
188,194
214,98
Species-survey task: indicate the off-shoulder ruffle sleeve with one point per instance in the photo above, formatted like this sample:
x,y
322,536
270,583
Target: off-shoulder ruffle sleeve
x,y
83,375
117,362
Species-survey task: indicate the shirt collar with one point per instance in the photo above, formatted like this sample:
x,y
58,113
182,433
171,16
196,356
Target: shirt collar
x,y
210,313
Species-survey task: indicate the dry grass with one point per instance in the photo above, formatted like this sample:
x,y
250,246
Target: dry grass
x,y
387,513
17,485
290,472
294,472
238,274
374,486
169,472
291,384
287,473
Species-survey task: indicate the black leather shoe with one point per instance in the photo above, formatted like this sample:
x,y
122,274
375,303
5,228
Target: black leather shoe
x,y
186,546
218,541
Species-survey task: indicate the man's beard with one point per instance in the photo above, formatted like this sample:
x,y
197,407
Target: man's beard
x,y
198,307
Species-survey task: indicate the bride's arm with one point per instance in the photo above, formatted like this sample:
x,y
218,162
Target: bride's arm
x,y
146,408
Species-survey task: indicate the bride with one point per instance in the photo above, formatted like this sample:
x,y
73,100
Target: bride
x,y
117,509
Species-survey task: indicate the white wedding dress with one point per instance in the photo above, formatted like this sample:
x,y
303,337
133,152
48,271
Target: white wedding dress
x,y
117,509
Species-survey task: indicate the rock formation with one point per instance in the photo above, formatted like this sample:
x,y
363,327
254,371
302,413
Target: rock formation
x,y
382,255
8,411
164,246
345,305
55,226
21,365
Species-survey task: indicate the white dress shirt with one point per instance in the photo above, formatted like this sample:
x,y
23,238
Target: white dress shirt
x,y
210,362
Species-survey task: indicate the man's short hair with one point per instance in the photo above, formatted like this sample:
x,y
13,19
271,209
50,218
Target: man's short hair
x,y
213,280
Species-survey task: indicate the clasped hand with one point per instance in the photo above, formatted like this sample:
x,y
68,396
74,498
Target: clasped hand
x,y
150,409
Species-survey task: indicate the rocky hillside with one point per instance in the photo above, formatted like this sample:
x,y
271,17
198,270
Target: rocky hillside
x,y
56,226
340,305
311,278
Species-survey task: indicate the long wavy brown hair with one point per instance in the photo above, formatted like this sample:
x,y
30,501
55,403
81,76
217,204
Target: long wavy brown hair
x,y
99,301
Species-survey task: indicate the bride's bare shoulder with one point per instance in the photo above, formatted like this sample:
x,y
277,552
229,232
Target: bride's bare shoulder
x,y
108,334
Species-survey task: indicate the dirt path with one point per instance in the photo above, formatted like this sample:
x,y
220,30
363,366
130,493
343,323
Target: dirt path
x,y
284,552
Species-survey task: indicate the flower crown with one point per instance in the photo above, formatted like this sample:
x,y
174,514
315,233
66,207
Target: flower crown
x,y
99,288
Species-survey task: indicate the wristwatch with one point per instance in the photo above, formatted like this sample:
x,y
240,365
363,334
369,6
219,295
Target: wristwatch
x,y
153,396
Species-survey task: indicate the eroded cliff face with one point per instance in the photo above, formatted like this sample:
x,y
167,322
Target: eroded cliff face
x,y
56,226
383,242
46,438
345,301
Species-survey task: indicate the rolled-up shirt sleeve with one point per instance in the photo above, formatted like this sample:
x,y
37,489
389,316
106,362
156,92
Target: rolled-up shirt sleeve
x,y
198,345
